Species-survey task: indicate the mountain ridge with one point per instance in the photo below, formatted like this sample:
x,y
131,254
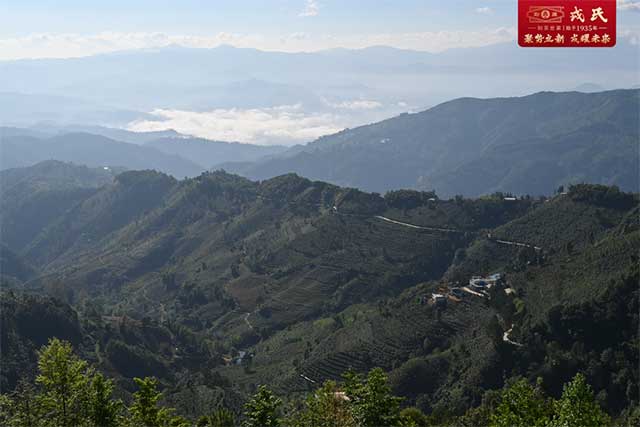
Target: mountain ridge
x,y
433,146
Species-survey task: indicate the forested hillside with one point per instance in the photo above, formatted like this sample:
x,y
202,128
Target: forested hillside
x,y
32,197
218,284
524,145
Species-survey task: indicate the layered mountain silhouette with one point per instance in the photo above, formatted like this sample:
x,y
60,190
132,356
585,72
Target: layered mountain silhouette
x,y
525,145
171,153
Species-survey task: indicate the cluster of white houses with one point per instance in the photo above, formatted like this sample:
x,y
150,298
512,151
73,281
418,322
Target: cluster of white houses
x,y
477,285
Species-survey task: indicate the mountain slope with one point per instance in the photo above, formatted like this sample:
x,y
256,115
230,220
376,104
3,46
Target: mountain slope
x,y
527,145
32,197
93,151
210,153
310,280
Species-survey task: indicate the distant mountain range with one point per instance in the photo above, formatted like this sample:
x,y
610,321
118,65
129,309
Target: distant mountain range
x,y
165,151
226,76
27,109
342,87
468,146
206,152
91,150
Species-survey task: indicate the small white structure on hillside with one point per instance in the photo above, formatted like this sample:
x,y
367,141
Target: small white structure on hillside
x,y
439,300
479,282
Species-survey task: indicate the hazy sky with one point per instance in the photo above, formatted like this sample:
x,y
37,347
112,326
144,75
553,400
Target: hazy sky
x,y
64,28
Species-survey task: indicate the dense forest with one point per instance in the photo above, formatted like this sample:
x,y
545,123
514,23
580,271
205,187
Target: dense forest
x,y
69,392
207,289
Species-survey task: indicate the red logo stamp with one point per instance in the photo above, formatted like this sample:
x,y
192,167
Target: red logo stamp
x,y
567,23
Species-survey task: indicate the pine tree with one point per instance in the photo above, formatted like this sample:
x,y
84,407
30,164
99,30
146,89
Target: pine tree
x,y
372,402
577,406
64,379
219,418
326,407
262,409
144,411
522,405
103,410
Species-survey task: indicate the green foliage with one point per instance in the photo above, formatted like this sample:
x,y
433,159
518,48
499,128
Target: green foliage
x,y
262,410
414,417
132,360
408,199
103,410
372,402
327,406
219,418
145,410
65,382
522,405
280,261
70,394
577,407
602,195
21,408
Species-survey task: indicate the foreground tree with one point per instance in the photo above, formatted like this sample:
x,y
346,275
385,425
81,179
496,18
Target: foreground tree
x,y
103,409
262,409
65,381
146,411
372,403
69,393
522,405
20,408
219,418
326,407
414,417
577,406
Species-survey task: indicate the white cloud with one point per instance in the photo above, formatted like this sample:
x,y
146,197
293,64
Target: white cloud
x,y
287,124
484,10
312,8
629,5
355,105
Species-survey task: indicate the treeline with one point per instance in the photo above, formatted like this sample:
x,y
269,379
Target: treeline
x,y
68,392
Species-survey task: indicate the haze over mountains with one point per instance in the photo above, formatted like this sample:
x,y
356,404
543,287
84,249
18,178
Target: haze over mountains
x,y
319,213
252,96
90,150
166,151
525,145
